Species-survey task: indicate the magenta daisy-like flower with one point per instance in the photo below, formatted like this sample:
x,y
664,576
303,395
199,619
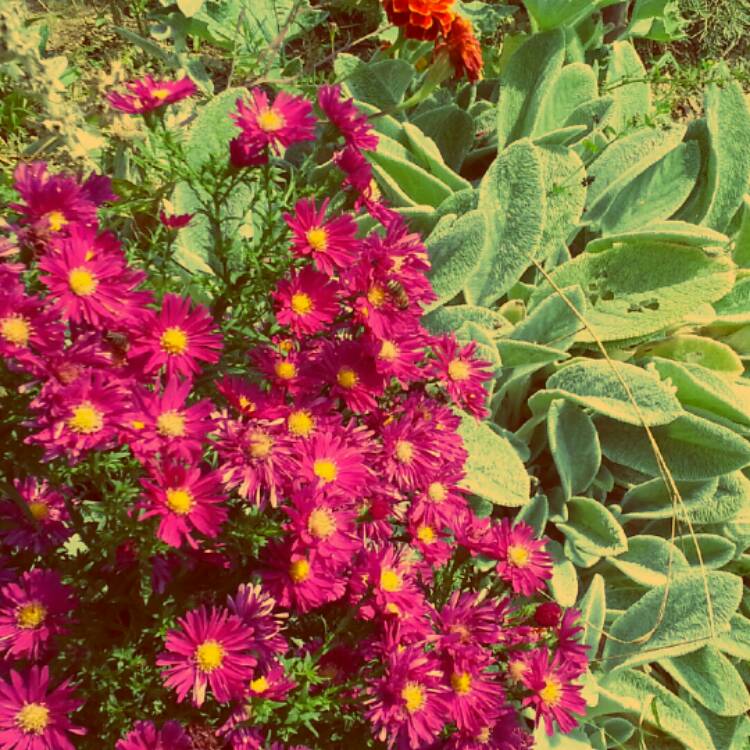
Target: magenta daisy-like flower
x,y
476,698
185,499
398,354
469,620
175,221
177,338
333,467
346,118
211,649
33,611
275,125
146,736
84,416
410,458
33,716
348,369
47,527
271,683
307,301
27,326
258,611
161,422
331,244
555,698
570,650
408,705
462,374
147,94
357,169
523,561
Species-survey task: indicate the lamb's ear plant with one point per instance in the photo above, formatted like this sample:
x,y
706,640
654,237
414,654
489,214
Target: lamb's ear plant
x,y
602,250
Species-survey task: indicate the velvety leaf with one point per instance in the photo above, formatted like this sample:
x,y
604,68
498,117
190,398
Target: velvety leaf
x,y
524,84
626,83
651,630
561,136
452,130
189,7
650,701
735,307
209,134
670,232
716,551
427,154
711,679
552,14
535,513
574,445
553,321
564,582
728,733
650,560
446,319
574,85
593,528
697,350
382,83
593,608
512,197
736,642
493,469
742,240
693,448
652,499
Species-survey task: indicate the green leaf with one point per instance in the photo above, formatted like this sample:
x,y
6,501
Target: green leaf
x,y
574,445
711,679
652,630
593,608
652,499
702,388
564,582
524,85
656,193
637,289
189,7
553,14
574,85
638,694
455,249
626,82
426,153
693,448
535,513
452,129
735,307
382,83
622,162
593,383
209,135
446,319
697,350
647,560
728,733
716,551
742,240
553,322
669,232
736,642
493,469
593,528
512,197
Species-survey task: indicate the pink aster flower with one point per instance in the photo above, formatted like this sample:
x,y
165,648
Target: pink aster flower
x,y
177,338
331,244
175,221
185,499
357,169
211,649
147,94
44,527
334,467
27,326
476,698
461,374
347,119
307,301
163,423
555,698
34,717
33,611
259,613
84,416
246,398
410,458
146,736
469,620
408,705
348,369
398,355
275,125
439,501
271,683
523,561
570,650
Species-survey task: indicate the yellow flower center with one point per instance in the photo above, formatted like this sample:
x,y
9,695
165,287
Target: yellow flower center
x,y
321,523
160,94
15,330
260,444
209,655
30,615
39,510
326,470
33,718
299,570
260,685
461,682
82,282
517,669
483,735
346,377
376,295
171,424
388,351
86,419
270,121
180,500
426,534
246,404
551,693
286,346
414,697
458,370
137,424
317,238
285,369
56,220
174,340
390,580
404,451
518,555
301,423
301,303
437,492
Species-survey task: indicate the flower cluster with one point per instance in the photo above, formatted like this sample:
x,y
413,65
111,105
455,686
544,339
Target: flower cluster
x,y
436,19
344,432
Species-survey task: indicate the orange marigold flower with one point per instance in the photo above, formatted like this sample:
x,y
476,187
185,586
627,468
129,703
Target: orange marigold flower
x,y
421,19
464,49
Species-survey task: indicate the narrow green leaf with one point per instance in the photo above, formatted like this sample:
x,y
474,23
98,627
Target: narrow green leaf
x,y
593,528
647,560
593,608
